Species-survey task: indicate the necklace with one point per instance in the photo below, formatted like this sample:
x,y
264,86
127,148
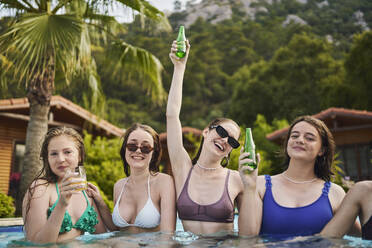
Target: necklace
x,y
205,168
299,182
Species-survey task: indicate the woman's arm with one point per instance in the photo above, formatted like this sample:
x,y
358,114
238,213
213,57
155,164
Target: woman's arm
x,y
103,211
177,154
167,204
250,212
39,228
344,219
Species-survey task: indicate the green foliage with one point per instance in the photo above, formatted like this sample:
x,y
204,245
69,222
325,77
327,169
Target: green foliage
x,y
7,208
241,67
269,152
195,141
284,86
358,66
339,175
103,162
108,202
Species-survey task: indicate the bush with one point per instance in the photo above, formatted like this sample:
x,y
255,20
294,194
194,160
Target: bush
x,y
108,202
7,208
103,162
269,152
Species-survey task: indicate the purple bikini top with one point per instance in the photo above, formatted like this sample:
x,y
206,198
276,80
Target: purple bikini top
x,y
220,211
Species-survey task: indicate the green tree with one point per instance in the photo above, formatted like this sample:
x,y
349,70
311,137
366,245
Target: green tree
x,y
358,66
103,162
271,161
50,41
292,83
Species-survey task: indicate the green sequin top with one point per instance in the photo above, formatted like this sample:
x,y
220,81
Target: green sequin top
x,y
86,222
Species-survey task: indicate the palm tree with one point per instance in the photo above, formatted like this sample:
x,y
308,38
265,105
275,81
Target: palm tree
x,y
50,41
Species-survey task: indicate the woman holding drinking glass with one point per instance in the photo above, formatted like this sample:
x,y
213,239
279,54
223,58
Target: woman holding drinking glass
x,y
55,208
206,190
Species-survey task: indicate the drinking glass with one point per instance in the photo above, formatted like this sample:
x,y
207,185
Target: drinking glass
x,y
83,175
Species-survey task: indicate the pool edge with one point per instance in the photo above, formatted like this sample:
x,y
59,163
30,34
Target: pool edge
x,y
11,221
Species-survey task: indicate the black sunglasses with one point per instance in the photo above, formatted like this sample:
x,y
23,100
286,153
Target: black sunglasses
x,y
223,134
145,149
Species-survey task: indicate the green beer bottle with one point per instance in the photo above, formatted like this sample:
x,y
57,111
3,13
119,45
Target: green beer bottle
x,y
250,147
181,43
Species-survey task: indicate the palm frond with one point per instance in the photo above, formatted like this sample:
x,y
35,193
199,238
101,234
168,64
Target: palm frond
x,y
17,5
127,59
61,4
144,7
34,37
105,24
147,10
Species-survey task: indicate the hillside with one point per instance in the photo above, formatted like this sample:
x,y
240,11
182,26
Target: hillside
x,y
338,18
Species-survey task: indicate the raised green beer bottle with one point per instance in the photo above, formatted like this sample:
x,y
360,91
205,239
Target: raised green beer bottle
x,y
250,147
181,43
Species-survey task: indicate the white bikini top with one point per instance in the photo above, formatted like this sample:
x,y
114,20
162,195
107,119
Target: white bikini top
x,y
148,217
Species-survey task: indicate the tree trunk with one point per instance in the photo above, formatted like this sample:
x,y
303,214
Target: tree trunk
x,y
36,130
39,95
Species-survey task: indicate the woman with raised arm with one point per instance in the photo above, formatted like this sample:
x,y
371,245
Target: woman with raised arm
x,y
145,199
206,190
301,200
357,202
54,207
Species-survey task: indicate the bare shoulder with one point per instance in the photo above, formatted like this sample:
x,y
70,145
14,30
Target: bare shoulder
x,y
336,191
261,179
164,180
336,195
235,176
39,188
236,180
120,183
261,185
363,187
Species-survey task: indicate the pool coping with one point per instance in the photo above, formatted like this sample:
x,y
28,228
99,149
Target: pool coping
x,y
11,221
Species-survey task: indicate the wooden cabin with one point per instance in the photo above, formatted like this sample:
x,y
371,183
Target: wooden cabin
x,y
14,117
352,131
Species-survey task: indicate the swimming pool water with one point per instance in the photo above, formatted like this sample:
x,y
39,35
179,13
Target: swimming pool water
x,y
14,237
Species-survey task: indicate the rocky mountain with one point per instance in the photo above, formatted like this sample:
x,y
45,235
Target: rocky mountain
x,y
304,12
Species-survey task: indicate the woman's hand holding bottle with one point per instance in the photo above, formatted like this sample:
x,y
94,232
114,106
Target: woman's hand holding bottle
x,y
247,173
177,61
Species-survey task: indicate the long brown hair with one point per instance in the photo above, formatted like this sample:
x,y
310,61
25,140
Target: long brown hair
x,y
323,163
156,154
46,173
215,122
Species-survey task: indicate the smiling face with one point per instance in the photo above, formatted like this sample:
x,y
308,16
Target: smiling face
x,y
138,159
304,142
215,143
62,155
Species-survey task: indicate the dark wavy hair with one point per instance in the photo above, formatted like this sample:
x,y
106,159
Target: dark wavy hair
x,y
215,122
156,154
323,163
46,173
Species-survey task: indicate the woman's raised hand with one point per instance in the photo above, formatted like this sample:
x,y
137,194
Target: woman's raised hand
x,y
247,173
176,60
